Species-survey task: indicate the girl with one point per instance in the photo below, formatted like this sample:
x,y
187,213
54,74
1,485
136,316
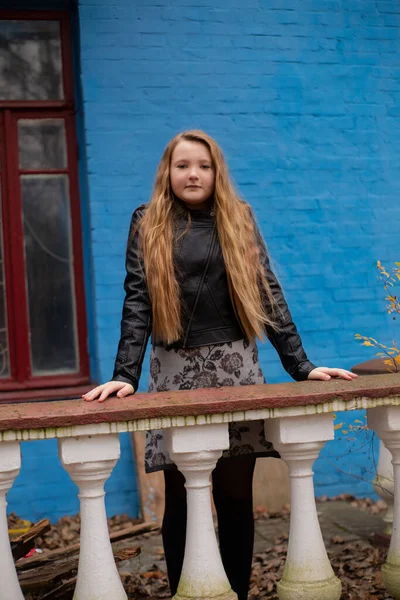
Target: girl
x,y
199,282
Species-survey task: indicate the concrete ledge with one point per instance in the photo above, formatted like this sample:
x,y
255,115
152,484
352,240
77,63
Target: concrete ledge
x,y
174,409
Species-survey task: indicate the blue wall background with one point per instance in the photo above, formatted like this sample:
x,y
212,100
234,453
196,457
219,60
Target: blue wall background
x,y
303,96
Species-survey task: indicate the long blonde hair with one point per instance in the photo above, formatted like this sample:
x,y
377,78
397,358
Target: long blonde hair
x,y
237,234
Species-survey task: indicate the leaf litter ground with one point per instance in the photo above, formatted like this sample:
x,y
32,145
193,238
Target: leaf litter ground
x,y
357,562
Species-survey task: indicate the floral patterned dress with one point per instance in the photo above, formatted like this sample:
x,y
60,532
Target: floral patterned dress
x,y
218,365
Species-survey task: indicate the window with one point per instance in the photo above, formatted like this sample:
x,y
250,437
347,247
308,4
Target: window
x,y
42,304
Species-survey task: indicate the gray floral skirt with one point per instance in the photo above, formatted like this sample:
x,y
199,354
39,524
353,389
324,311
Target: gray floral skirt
x,y
218,365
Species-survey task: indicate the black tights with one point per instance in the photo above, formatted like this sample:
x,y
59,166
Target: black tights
x,y
233,498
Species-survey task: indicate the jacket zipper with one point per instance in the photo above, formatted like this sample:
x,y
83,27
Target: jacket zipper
x,y
210,251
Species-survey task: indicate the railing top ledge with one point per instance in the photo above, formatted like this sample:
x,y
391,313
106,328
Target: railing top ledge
x,y
374,390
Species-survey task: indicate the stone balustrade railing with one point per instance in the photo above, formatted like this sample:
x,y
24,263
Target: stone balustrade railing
x,y
298,420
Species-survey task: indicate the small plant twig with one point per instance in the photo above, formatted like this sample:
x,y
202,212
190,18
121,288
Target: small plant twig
x,y
390,354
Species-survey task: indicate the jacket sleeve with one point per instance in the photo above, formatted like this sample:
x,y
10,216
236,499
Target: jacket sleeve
x,y
285,339
136,320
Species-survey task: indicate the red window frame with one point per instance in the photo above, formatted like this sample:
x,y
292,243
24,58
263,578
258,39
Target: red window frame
x,y
21,377
64,18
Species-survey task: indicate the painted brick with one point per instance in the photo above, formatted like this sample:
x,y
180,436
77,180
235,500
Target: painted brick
x,y
44,490
303,96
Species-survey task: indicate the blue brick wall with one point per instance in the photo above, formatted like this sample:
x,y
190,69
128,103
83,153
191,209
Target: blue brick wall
x,y
44,490
303,96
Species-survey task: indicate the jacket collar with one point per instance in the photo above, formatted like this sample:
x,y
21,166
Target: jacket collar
x,y
183,211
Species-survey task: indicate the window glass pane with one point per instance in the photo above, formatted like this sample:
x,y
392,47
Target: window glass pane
x,y
4,351
49,274
30,60
42,144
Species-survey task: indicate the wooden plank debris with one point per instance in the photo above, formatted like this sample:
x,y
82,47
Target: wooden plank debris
x,y
21,545
52,575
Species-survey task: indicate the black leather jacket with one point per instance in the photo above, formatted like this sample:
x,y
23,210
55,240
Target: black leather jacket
x,y
208,316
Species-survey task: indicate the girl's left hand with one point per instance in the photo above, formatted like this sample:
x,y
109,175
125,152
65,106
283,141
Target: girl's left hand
x,y
325,373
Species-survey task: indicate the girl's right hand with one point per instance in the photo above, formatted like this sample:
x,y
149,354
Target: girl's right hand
x,y
107,389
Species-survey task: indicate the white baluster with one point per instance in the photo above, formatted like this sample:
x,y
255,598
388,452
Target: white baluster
x,y
195,450
308,574
10,464
89,461
384,484
386,422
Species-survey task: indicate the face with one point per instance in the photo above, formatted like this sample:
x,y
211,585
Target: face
x,y
192,174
